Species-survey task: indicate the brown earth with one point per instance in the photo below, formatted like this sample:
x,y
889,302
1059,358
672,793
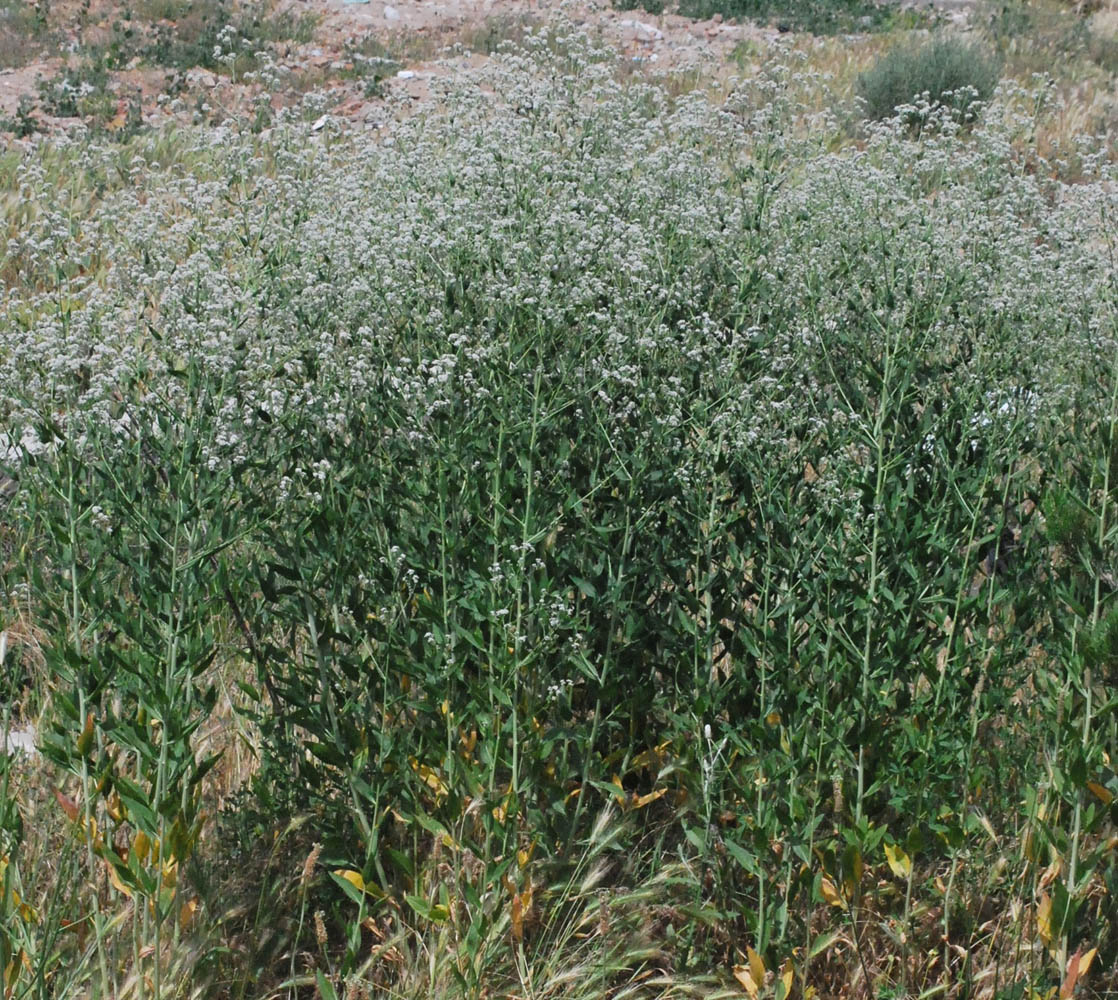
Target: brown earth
x,y
428,38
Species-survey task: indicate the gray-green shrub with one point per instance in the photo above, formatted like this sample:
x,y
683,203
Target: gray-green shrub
x,y
946,70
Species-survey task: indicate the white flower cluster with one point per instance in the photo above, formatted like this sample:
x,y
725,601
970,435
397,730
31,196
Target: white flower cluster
x,y
691,249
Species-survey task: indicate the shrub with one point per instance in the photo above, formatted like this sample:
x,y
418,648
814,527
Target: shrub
x,y
950,71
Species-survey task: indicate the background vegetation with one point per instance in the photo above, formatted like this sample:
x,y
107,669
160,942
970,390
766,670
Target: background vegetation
x,y
818,16
950,72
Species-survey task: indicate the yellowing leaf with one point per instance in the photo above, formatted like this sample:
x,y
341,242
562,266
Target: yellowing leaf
x,y
640,801
85,738
1105,795
1044,918
69,806
170,872
352,877
620,794
140,847
831,894
186,912
785,980
1071,976
647,758
899,862
1086,959
857,870
756,965
1051,873
430,778
117,884
521,907
116,808
749,984
773,718
11,971
26,912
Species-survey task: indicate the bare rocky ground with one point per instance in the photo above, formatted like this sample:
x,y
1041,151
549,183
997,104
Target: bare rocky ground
x,y
428,39
654,44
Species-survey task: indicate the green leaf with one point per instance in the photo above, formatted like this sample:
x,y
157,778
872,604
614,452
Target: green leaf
x,y
697,839
586,588
325,988
822,942
741,856
137,803
434,913
348,888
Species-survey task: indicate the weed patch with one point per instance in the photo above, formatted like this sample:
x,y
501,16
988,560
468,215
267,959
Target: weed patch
x,y
591,544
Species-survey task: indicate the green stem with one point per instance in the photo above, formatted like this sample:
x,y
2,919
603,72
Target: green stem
x,y
871,596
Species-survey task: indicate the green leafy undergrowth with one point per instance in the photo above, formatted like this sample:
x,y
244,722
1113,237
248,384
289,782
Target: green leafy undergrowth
x,y
820,17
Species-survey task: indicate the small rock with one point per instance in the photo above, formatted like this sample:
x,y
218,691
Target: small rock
x,y
717,19
391,14
406,74
202,78
644,32
19,741
320,123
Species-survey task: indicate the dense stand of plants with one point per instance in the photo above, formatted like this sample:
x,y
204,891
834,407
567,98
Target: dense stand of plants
x,y
647,551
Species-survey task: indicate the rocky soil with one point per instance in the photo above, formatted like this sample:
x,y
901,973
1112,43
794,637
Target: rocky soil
x,y
427,39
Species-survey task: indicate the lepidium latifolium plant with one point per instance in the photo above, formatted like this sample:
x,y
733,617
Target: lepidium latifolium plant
x,y
629,545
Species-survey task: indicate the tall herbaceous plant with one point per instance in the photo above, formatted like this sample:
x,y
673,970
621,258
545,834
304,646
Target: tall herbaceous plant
x,y
577,447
